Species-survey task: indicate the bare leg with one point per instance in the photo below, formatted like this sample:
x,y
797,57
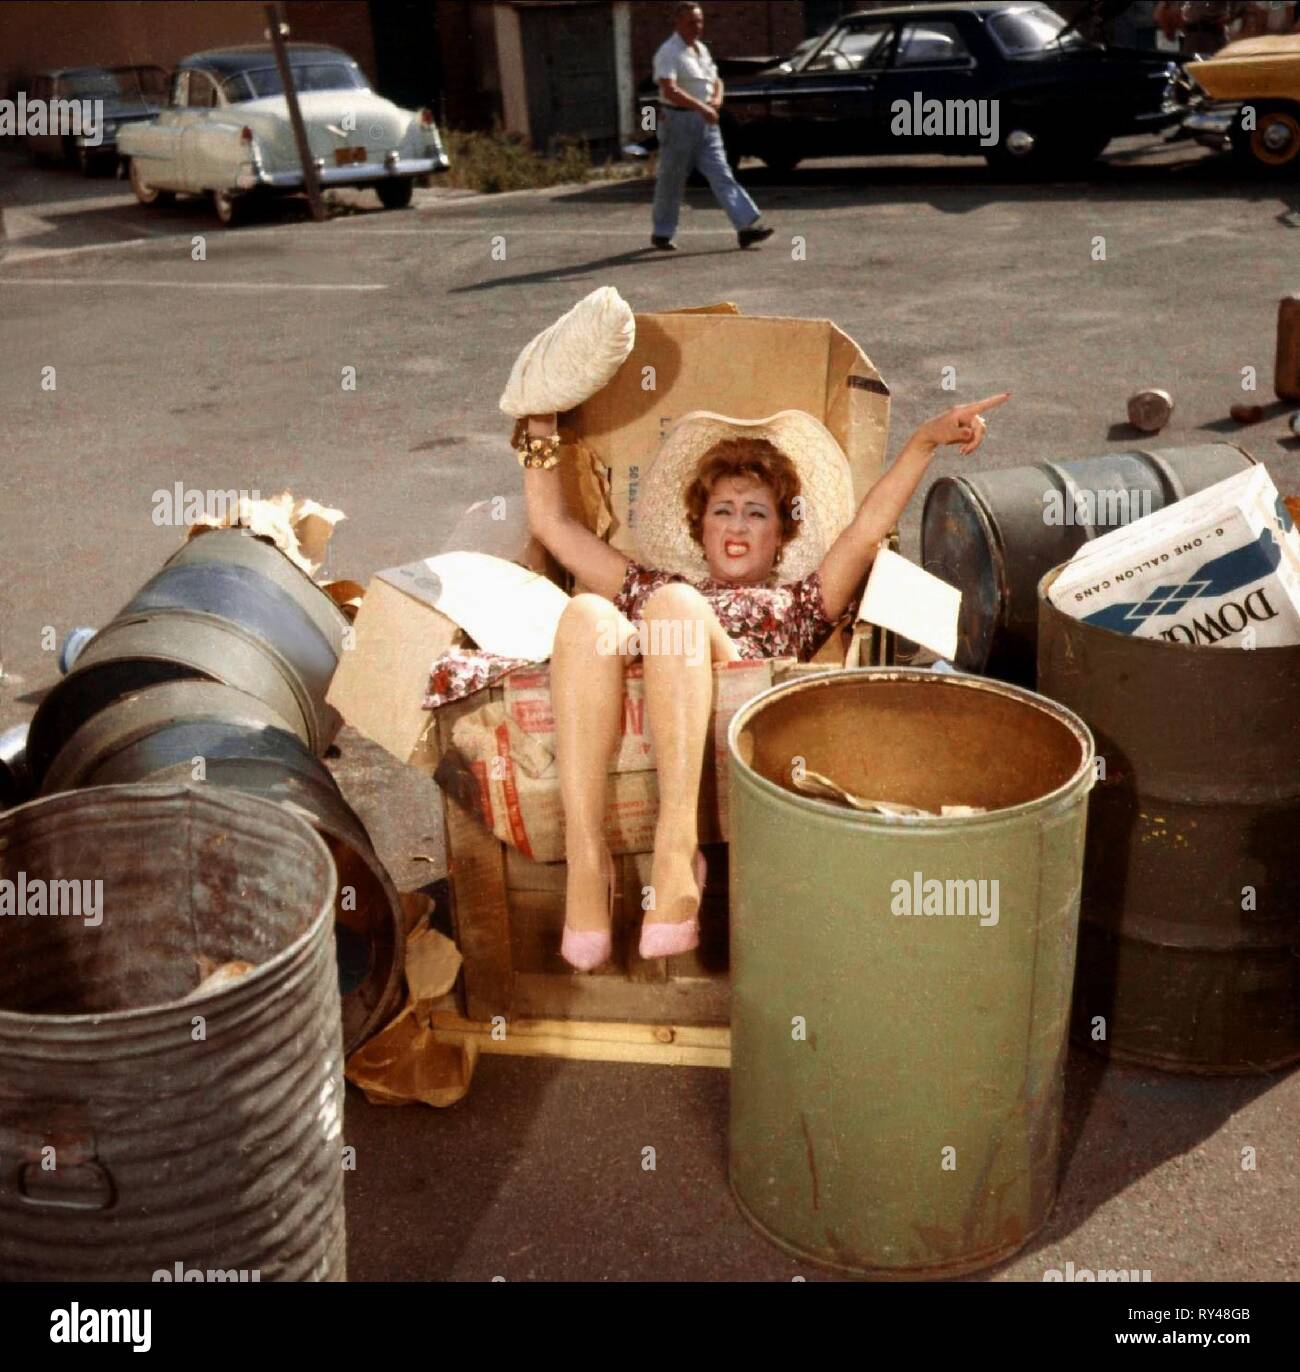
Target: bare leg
x,y
587,699
681,640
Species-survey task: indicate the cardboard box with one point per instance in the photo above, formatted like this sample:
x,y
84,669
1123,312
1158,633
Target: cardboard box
x,y
717,359
1202,571
410,616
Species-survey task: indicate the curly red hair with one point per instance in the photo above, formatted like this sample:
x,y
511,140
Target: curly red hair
x,y
755,459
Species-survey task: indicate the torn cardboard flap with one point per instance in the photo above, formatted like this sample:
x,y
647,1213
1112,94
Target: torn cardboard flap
x,y
504,608
412,614
301,529
403,1063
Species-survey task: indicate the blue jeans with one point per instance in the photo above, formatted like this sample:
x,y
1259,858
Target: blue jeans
x,y
686,141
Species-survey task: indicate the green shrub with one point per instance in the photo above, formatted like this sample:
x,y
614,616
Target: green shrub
x,y
500,161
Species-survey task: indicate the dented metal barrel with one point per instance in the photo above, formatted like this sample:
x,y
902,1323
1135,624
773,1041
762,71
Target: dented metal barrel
x,y
1189,946
144,1128
901,986
226,607
201,731
993,535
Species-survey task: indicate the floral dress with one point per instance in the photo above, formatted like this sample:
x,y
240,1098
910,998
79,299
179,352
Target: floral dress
x,y
788,620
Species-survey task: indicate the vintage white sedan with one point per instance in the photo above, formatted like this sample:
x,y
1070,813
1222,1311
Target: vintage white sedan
x,y
226,132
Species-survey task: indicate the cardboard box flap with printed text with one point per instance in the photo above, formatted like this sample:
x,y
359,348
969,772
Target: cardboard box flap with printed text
x,y
748,366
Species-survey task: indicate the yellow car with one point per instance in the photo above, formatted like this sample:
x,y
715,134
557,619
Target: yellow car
x,y
1250,101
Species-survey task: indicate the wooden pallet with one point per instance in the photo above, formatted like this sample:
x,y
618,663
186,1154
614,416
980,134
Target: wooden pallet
x,y
671,1045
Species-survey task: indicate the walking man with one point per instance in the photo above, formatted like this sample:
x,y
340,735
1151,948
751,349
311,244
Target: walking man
x,y
691,98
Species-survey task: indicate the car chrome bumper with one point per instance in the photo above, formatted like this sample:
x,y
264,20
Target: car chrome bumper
x,y
1213,124
356,173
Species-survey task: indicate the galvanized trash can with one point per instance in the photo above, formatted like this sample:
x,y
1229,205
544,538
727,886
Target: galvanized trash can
x,y
156,734
1189,942
901,987
994,534
141,1132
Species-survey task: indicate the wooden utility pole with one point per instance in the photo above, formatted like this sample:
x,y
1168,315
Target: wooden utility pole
x,y
310,178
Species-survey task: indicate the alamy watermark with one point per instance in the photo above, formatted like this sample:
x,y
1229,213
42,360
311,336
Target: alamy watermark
x,y
685,638
183,505
179,1272
1073,1273
24,118
36,897
922,118
929,896
1095,509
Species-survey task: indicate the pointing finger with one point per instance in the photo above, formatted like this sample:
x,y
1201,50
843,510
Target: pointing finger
x,y
990,402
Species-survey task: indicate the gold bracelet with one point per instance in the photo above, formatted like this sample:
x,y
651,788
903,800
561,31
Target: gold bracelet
x,y
540,452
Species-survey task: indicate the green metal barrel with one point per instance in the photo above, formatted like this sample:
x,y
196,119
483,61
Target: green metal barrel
x,y
901,987
1189,945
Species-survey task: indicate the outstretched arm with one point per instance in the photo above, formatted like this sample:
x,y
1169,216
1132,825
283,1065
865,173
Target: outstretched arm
x,y
848,558
592,561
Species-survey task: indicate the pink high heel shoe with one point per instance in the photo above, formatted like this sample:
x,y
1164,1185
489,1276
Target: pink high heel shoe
x,y
663,939
587,949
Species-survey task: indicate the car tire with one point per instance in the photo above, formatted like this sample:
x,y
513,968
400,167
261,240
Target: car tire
x,y
395,194
780,159
142,190
1084,150
231,210
1272,147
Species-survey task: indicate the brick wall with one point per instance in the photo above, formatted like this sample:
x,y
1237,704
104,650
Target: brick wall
x,y
732,28
340,23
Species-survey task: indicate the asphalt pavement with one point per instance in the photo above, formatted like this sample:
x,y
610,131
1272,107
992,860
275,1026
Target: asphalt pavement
x,y
182,352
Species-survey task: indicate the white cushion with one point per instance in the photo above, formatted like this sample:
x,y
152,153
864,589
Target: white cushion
x,y
574,358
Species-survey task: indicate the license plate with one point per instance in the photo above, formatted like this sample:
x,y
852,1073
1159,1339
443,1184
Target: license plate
x,y
344,157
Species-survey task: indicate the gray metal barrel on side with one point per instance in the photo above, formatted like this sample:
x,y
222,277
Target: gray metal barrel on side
x,y
225,607
897,1075
1189,947
203,1132
989,534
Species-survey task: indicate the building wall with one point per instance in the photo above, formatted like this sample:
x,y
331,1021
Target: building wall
x,y
732,28
38,34
342,23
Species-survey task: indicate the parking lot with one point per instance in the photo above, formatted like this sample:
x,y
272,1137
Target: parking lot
x,y
142,348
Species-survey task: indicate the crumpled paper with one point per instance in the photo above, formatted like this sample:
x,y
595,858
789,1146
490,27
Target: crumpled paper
x,y
815,784
299,528
403,1064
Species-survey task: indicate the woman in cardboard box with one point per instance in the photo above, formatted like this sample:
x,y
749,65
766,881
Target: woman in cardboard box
x,y
749,547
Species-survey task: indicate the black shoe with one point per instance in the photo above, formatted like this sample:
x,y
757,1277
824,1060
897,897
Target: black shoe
x,y
748,237
663,244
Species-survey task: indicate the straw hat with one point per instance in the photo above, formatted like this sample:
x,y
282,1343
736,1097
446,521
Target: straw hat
x,y
662,533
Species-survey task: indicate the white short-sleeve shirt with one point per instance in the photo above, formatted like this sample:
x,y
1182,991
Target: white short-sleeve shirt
x,y
691,68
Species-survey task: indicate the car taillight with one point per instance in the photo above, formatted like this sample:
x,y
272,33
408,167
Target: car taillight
x,y
426,118
246,134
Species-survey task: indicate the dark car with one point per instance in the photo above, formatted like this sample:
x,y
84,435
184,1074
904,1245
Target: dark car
x,y
123,94
1012,82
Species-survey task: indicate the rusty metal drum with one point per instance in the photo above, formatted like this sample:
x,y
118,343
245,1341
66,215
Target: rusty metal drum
x,y
1189,945
994,534
901,986
144,1128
